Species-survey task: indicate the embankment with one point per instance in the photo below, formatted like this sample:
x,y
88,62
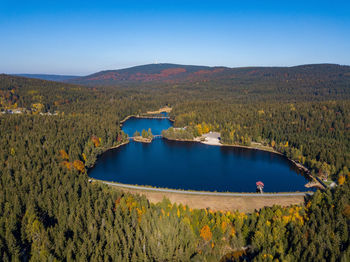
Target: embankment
x,y
244,202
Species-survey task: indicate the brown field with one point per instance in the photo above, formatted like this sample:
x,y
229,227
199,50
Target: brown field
x,y
224,203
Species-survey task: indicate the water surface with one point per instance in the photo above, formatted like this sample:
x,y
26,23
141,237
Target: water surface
x,y
189,165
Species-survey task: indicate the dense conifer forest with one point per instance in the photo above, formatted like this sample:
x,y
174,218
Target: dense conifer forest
x,y
52,133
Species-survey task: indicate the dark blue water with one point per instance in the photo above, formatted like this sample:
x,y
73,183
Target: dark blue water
x,y
187,165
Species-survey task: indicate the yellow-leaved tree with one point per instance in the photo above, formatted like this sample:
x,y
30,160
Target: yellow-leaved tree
x,y
341,180
78,165
273,143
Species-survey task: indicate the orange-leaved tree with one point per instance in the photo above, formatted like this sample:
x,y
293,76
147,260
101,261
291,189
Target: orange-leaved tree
x,y
206,234
96,141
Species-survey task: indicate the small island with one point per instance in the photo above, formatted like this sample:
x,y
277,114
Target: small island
x,y
145,137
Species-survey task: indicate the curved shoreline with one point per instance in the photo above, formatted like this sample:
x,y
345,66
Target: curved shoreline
x,y
301,167
193,192
104,151
114,147
204,193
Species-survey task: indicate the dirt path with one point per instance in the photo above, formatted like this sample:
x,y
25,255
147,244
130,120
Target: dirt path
x,y
215,201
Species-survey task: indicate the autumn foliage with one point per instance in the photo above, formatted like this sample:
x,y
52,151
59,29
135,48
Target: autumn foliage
x,y
346,211
206,234
341,180
96,141
64,154
67,164
78,165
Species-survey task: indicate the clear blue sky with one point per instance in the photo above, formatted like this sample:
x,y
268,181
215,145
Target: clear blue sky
x,y
82,37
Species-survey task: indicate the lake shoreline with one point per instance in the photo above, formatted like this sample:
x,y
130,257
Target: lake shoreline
x,y
165,190
301,167
201,192
146,117
141,139
197,139
179,140
104,151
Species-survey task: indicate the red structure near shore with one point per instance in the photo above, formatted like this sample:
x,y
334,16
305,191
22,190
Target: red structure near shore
x,y
259,186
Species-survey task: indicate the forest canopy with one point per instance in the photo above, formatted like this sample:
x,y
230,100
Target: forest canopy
x,y
51,133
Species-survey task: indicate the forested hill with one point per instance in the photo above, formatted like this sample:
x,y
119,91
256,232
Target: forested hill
x,y
146,73
316,74
21,92
57,78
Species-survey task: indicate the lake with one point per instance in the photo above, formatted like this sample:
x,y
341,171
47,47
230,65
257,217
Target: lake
x,y
194,166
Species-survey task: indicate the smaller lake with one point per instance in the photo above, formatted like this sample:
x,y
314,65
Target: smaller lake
x,y
194,166
137,124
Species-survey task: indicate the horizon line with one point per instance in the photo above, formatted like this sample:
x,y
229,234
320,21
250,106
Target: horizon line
x,y
139,65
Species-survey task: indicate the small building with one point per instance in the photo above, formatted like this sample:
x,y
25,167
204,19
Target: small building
x,y
17,111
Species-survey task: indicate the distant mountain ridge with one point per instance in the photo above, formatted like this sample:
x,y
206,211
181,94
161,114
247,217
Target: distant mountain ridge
x,y
176,73
301,83
146,73
49,77
172,73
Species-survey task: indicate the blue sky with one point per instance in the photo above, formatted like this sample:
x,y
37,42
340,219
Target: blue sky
x,y
82,37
